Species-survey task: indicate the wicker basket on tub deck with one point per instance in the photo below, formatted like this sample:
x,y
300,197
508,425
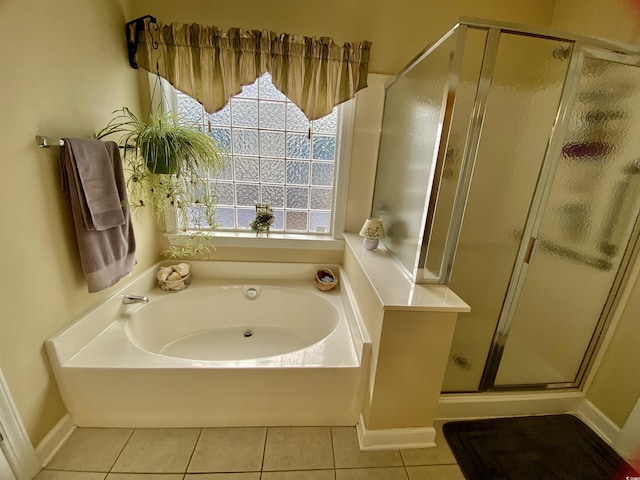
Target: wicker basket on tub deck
x,y
325,279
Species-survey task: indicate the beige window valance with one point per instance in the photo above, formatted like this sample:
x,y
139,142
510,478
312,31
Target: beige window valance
x,y
211,65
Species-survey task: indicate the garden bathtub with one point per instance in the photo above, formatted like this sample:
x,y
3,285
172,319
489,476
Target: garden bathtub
x,y
242,346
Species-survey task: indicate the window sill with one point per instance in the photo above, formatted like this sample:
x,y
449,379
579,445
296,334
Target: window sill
x,y
274,240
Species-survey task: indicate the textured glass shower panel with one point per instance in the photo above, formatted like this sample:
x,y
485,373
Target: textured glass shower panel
x,y
465,93
585,229
409,139
521,108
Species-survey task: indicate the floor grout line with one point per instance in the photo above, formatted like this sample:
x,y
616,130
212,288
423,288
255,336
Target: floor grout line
x,y
121,450
333,450
195,445
184,475
264,450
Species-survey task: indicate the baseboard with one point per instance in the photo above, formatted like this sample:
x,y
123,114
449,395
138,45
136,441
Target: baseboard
x,y
394,438
628,442
599,422
487,405
56,437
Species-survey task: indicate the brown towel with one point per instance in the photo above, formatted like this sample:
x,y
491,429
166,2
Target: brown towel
x,y
107,253
95,182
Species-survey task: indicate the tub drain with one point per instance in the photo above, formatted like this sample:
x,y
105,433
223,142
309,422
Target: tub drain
x,y
248,333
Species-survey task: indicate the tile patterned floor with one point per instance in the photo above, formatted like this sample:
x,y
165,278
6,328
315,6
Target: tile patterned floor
x,y
248,453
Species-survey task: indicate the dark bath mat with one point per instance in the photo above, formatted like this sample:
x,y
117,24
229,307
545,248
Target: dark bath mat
x,y
546,447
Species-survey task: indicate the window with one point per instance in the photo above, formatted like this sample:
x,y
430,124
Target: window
x,y
277,157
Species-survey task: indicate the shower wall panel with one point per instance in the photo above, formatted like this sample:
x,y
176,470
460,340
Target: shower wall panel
x,y
411,125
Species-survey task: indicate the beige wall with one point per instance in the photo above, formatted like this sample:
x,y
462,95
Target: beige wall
x,y
610,19
399,30
364,151
64,70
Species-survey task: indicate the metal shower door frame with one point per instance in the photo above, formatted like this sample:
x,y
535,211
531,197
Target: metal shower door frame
x,y
472,144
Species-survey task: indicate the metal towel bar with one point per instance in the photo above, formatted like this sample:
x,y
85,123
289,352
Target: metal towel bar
x,y
46,142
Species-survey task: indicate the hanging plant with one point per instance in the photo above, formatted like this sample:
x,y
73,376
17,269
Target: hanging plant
x,y
170,162
167,143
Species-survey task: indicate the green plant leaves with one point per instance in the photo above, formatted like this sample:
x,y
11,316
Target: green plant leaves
x,y
170,163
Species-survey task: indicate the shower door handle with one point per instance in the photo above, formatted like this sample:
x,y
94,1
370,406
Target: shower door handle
x,y
531,250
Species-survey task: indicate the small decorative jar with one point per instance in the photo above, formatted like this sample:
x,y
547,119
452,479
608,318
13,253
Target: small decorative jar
x,y
174,278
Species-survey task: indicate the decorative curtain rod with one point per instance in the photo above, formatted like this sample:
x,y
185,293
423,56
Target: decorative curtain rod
x,y
132,30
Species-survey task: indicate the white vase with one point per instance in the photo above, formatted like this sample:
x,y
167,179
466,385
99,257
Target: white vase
x,y
370,243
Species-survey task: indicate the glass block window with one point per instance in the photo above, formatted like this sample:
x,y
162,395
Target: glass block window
x,y
276,157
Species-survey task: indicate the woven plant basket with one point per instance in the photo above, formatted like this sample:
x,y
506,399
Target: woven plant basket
x,y
321,282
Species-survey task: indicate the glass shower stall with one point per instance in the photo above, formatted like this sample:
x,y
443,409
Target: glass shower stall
x,y
509,169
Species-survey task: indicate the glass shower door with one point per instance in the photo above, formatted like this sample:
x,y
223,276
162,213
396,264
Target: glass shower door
x,y
583,238
522,101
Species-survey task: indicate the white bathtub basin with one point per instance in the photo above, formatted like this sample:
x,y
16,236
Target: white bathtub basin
x,y
226,323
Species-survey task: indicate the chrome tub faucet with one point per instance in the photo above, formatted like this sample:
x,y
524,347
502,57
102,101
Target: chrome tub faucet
x,y
131,299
